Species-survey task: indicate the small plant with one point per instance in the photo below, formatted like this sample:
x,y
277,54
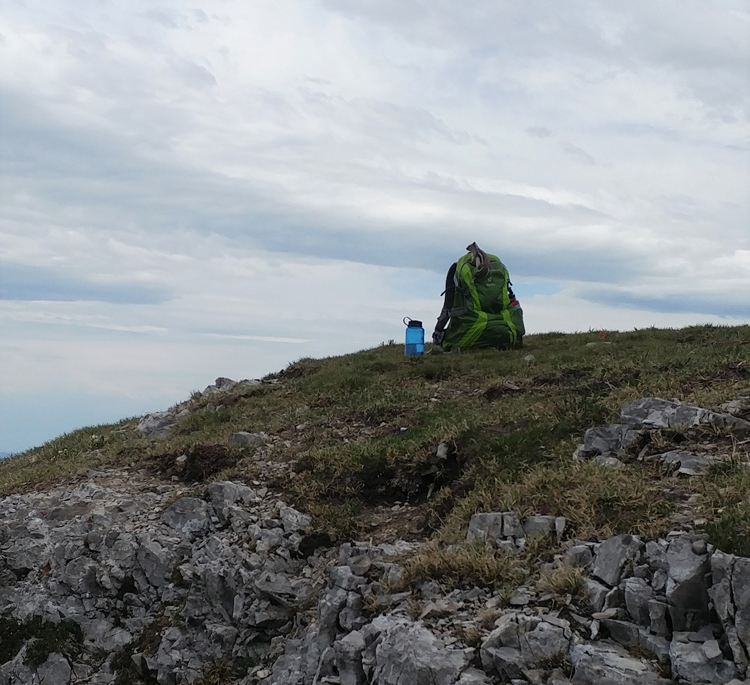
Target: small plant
x,y
562,580
471,635
373,606
559,662
413,609
223,672
487,618
730,532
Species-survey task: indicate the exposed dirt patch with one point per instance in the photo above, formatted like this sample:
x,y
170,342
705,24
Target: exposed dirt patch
x,y
399,521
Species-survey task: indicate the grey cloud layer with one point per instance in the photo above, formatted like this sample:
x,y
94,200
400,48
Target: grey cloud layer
x,y
96,181
389,178
35,283
689,303
696,41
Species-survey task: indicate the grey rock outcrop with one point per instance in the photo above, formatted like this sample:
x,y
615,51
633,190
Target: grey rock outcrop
x,y
506,531
486,527
687,589
189,516
686,463
55,670
613,555
521,641
652,412
407,653
123,563
692,662
157,424
730,593
163,584
603,664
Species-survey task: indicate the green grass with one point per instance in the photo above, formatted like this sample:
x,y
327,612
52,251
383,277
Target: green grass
x,y
361,430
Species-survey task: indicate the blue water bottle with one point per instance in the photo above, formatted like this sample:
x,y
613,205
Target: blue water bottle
x,y
414,337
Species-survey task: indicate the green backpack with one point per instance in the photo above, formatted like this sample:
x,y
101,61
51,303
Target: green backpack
x,y
480,309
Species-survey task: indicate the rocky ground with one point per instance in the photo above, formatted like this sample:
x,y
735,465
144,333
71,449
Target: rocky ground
x,y
131,576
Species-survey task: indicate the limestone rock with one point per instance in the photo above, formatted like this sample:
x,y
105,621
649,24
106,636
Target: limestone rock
x,y
631,636
485,527
348,652
603,664
687,464
409,654
690,662
657,616
712,652
687,589
342,576
329,608
245,439
225,494
55,670
15,671
293,520
221,384
539,526
473,676
652,412
157,425
612,556
595,593
523,641
637,594
579,555
512,527
734,407
610,462
622,632
189,516
741,596
156,562
507,662
603,440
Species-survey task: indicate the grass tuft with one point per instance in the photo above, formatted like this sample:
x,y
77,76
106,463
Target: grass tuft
x,y
465,566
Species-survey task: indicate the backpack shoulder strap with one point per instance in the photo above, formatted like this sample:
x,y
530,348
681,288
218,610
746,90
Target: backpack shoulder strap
x,y
449,292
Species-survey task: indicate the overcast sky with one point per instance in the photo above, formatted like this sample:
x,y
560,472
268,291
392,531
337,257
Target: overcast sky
x,y
219,188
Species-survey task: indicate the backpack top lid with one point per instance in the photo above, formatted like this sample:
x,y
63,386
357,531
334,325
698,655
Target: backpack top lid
x,y
477,265
479,257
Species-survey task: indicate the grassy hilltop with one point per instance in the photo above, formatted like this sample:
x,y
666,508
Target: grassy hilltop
x,y
354,440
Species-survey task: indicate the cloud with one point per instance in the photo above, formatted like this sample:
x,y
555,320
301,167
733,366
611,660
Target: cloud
x,y
167,19
260,338
538,131
18,282
577,153
682,303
